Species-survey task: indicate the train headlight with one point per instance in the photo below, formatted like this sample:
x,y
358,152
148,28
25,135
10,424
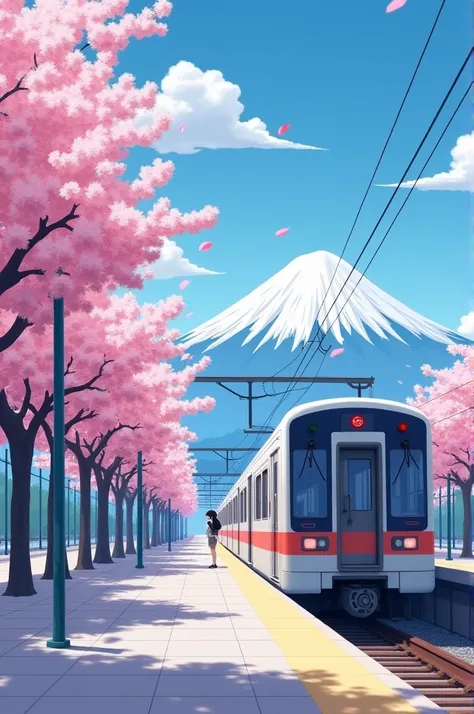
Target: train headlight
x,y
399,543
315,543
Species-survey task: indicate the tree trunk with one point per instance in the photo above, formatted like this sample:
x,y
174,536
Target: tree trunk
x,y
20,577
146,525
48,568
130,548
154,525
102,548
84,556
118,551
466,490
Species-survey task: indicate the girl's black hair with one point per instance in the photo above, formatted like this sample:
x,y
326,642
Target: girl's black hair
x,y
211,514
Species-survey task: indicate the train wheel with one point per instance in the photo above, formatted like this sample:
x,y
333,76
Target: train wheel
x,y
360,601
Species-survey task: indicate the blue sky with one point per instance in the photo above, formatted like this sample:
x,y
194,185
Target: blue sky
x,y
335,71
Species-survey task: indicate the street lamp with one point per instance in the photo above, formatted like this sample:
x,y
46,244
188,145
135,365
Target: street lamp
x,y
58,640
139,510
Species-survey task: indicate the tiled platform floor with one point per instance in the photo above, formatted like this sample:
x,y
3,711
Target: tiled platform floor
x,y
174,638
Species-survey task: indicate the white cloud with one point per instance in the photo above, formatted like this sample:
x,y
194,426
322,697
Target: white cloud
x,y
460,176
208,105
466,328
173,264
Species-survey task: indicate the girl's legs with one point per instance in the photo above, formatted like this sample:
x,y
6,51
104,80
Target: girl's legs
x,y
213,554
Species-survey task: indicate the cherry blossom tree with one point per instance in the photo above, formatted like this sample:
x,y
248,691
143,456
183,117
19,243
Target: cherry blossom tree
x,y
68,218
449,403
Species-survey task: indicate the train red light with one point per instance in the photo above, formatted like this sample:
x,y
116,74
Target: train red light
x,y
357,421
310,543
402,427
410,543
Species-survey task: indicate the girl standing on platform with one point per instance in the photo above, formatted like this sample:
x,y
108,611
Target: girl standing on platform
x,y
213,528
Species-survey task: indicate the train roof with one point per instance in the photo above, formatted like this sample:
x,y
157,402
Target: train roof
x,y
341,402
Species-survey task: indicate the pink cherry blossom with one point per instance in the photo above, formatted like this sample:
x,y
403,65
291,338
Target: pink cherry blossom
x,y
189,314
184,284
395,5
283,129
281,232
182,127
207,245
337,352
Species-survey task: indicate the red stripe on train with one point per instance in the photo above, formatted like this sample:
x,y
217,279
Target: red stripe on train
x,y
352,543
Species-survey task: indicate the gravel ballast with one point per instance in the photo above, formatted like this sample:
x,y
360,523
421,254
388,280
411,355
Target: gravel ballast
x,y
456,645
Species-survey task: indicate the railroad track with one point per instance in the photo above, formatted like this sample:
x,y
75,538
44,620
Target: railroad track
x,y
446,680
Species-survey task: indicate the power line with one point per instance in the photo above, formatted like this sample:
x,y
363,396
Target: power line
x,y
441,107
371,180
389,228
418,406
468,409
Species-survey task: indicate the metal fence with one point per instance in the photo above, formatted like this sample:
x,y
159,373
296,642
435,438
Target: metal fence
x,y
457,517
39,509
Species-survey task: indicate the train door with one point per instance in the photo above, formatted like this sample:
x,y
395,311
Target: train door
x,y
237,508
249,518
274,516
358,500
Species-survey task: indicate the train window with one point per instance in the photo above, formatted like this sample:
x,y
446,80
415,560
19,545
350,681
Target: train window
x,y
258,498
244,517
310,483
265,494
359,484
407,486
242,495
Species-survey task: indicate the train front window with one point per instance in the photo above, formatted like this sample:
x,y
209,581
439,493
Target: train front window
x,y
407,483
310,483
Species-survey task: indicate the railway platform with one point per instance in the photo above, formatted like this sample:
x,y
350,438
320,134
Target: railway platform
x,y
177,638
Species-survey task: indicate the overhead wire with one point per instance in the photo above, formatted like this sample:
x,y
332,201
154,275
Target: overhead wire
x,y
428,131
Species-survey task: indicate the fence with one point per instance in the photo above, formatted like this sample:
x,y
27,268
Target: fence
x,y
457,517
39,509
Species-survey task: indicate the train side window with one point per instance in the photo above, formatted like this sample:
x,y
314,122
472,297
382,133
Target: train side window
x,y
265,494
244,519
359,484
242,496
407,483
258,497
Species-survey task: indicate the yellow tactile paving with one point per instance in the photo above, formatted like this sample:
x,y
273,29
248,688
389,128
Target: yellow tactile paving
x,y
456,564
336,681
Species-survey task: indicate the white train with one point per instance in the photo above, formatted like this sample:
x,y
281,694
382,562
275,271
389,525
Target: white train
x,y
339,501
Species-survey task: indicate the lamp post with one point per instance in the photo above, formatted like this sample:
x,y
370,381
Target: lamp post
x,y
169,524
139,510
6,503
58,640
448,514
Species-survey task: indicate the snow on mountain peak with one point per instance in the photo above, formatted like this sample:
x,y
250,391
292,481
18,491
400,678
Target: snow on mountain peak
x,y
290,301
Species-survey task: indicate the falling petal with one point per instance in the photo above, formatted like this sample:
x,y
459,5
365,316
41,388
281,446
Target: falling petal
x,y
283,129
186,356
207,245
183,284
408,365
395,5
281,232
182,128
339,351
189,314
148,274
399,381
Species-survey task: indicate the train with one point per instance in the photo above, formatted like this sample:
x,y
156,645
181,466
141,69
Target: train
x,y
337,505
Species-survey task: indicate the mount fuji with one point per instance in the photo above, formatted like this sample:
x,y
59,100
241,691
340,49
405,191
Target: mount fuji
x,y
281,322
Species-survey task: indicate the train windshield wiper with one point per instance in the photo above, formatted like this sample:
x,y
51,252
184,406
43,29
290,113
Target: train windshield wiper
x,y
406,458
310,457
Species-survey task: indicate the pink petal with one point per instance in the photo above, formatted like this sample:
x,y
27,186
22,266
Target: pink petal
x,y
395,5
339,351
399,381
186,356
283,129
189,314
281,232
206,245
182,128
183,284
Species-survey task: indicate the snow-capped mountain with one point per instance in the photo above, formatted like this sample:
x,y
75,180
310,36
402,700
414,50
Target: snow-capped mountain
x,y
294,301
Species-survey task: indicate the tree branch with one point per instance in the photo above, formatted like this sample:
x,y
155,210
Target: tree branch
x,y
16,88
90,384
11,275
14,332
26,400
